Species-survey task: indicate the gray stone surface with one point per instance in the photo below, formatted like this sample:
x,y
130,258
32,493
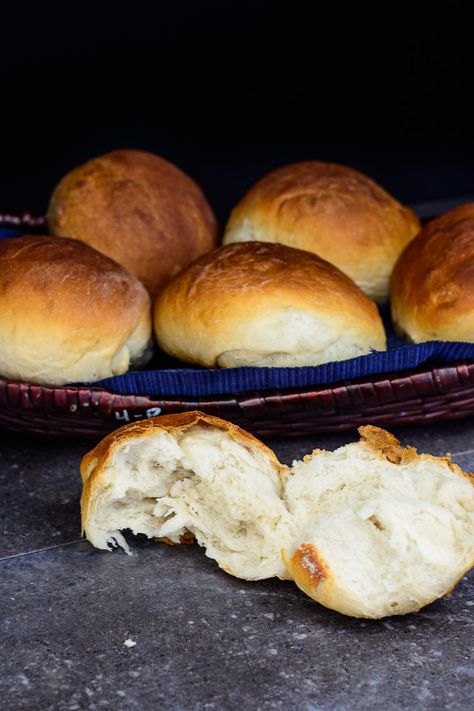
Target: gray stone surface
x,y
204,640
39,492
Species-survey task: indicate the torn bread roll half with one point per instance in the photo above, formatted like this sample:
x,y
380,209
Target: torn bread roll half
x,y
189,473
370,530
257,304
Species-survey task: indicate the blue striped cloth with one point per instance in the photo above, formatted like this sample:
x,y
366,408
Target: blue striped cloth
x,y
203,382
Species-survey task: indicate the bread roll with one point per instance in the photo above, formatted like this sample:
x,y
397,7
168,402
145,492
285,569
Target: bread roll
x,y
384,531
432,289
370,530
139,210
68,313
265,305
333,211
222,484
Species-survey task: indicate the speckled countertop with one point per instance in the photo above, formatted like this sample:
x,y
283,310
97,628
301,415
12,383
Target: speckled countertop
x,y
202,639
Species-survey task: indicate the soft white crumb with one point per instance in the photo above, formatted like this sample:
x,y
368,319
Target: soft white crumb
x,y
129,643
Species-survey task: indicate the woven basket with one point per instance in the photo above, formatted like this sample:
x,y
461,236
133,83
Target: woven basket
x,y
415,398
403,398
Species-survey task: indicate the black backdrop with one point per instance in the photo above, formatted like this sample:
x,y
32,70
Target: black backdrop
x,y
229,90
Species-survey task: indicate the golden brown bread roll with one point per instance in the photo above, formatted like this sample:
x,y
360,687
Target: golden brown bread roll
x,y
432,288
68,313
333,211
138,209
266,305
372,529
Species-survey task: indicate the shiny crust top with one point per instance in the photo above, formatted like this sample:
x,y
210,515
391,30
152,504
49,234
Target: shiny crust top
x,y
333,211
66,283
138,209
68,313
432,288
209,308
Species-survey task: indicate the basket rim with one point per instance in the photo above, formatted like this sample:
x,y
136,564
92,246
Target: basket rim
x,y
409,399
440,376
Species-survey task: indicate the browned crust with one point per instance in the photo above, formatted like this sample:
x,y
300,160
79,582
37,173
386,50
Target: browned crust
x,y
432,286
260,266
94,461
82,280
387,446
248,281
138,209
308,559
306,568
81,299
331,210
186,539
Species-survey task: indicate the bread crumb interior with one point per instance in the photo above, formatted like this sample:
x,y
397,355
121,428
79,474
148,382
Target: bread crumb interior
x,y
391,530
226,493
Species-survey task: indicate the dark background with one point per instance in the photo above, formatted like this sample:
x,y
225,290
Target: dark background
x,y
229,90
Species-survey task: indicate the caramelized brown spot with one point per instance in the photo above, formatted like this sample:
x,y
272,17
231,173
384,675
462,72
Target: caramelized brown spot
x,y
307,558
383,442
374,520
186,539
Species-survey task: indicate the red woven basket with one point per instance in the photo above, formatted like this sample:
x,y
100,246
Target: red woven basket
x,y
411,398
414,398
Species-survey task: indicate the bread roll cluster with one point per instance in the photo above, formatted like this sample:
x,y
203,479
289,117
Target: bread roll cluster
x,y
77,305
306,254
370,530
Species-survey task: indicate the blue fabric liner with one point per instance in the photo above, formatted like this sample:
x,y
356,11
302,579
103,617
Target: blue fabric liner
x,y
165,377
196,383
10,232
179,380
